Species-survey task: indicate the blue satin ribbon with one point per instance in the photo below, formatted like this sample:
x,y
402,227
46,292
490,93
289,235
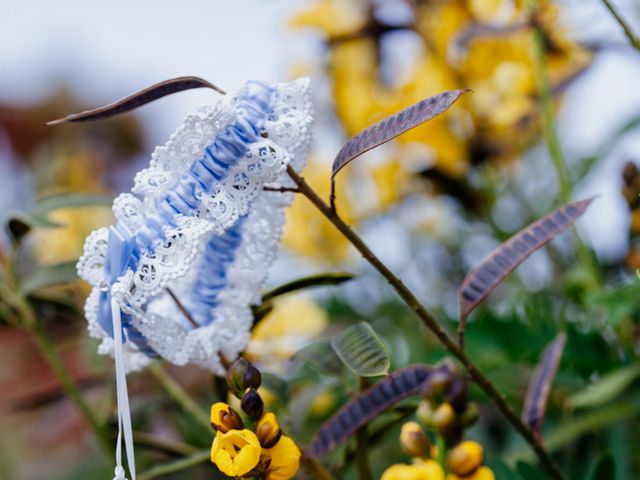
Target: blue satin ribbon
x,y
125,247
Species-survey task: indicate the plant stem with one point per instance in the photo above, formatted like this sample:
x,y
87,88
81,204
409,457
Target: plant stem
x,y
68,385
449,343
176,466
442,452
633,39
363,468
175,391
170,446
319,471
550,131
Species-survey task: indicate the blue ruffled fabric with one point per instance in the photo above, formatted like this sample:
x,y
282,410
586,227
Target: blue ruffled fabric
x,y
125,247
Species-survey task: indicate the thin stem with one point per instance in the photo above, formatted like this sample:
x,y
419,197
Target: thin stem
x,y
170,446
176,465
412,302
319,471
68,385
281,189
182,308
633,39
179,394
550,131
363,468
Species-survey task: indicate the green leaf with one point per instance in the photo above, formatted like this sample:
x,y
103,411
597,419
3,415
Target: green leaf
x,y
605,468
322,279
529,472
70,200
362,351
500,469
606,388
320,356
49,276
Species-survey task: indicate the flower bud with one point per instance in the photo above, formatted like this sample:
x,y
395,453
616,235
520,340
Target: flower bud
x,y
252,404
414,441
464,458
268,430
444,419
424,413
439,383
457,394
242,375
470,415
225,418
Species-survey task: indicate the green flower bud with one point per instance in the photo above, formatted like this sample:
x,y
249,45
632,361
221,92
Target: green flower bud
x,y
242,375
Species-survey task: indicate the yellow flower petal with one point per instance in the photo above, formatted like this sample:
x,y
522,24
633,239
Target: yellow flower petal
x,y
426,470
482,473
236,452
284,459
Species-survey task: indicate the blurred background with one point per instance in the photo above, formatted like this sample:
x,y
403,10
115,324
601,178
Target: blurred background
x,y
432,204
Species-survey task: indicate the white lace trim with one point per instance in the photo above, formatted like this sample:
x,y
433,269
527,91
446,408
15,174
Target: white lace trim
x,y
174,263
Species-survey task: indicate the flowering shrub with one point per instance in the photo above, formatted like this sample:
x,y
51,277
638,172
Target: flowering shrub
x,y
371,372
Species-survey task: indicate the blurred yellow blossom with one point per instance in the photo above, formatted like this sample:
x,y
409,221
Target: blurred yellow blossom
x,y
420,470
310,234
293,322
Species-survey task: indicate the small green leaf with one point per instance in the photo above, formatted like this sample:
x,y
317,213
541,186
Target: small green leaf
x,y
49,276
322,279
70,200
605,468
320,356
606,388
20,224
362,351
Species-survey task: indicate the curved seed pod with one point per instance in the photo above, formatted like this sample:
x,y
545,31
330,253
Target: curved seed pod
x,y
390,127
535,403
138,99
481,281
366,406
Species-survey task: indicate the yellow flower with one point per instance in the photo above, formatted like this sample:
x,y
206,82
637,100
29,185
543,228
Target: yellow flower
x,y
236,452
465,458
281,333
333,17
282,461
482,473
427,470
224,418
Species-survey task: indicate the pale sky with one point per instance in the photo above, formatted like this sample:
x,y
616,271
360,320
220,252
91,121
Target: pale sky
x,y
107,50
